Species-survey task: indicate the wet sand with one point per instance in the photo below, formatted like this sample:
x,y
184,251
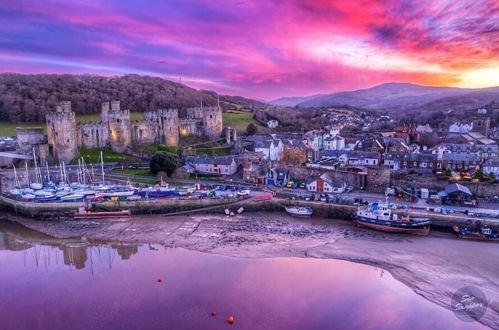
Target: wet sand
x,y
435,266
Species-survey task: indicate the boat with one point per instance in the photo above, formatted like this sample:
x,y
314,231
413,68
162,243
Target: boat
x,y
300,211
244,193
46,199
16,192
484,233
134,198
157,192
28,197
72,198
118,192
380,217
82,213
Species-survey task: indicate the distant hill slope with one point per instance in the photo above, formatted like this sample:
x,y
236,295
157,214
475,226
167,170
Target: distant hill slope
x,y
292,101
27,98
403,96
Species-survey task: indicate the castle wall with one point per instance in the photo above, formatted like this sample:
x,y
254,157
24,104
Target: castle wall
x,y
190,127
27,137
93,135
144,132
194,113
61,132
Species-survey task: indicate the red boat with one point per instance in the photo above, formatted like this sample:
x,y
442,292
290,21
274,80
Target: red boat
x,y
262,197
85,214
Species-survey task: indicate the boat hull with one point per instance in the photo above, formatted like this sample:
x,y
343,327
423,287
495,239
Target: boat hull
x,y
300,212
476,236
422,229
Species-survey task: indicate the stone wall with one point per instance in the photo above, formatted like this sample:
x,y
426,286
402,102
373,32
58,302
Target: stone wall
x,y
355,180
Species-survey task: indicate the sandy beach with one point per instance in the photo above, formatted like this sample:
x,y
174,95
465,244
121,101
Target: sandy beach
x,y
435,266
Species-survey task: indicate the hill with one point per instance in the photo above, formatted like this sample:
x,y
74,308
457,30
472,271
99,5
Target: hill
x,y
403,96
27,98
292,101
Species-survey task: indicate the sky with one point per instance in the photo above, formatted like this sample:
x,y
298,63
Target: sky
x,y
261,49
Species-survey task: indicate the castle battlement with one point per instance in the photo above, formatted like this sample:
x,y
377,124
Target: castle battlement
x,y
117,131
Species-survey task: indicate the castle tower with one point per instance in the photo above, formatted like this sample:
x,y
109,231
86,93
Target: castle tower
x,y
212,121
104,114
168,126
61,132
481,126
119,126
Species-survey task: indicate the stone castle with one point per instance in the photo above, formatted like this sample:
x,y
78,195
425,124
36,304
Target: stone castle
x,y
117,131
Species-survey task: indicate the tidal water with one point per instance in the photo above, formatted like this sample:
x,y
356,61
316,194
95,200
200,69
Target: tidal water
x,y
48,283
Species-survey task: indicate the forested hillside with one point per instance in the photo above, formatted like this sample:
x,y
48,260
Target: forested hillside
x,y
25,98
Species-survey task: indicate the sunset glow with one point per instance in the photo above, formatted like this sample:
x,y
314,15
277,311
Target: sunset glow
x,y
260,49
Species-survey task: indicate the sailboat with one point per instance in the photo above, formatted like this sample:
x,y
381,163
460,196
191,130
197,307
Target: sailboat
x,y
37,184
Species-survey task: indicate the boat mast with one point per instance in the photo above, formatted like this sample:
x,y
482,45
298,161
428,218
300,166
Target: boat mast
x,y
36,166
48,172
27,172
102,166
16,179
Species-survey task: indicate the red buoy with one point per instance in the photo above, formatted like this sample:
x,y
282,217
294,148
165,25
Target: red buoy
x,y
213,313
230,320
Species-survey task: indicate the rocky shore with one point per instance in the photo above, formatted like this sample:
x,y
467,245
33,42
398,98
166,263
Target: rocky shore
x,y
435,266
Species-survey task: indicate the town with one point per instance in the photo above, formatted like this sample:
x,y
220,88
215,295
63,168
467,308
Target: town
x,y
454,165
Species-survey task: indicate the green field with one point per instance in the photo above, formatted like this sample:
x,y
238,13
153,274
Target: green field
x,y
134,171
239,120
92,156
9,129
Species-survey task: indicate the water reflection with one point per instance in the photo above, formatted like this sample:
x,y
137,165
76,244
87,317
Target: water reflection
x,y
46,250
49,283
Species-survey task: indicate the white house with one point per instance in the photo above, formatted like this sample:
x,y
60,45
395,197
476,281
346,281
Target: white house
x,y
459,128
491,166
334,143
325,183
271,149
272,123
217,165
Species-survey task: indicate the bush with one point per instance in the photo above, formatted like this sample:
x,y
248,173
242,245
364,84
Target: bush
x,y
163,161
251,129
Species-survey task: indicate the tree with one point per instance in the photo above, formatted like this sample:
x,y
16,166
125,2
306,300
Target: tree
x,y
491,176
251,129
294,155
479,174
163,161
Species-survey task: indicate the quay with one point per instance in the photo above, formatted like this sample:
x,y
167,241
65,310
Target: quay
x,y
177,206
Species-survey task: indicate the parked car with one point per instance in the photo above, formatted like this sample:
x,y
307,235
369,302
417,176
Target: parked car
x,y
295,185
348,189
303,185
290,184
323,197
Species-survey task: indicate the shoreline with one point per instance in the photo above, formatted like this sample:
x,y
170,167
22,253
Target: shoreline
x,y
433,266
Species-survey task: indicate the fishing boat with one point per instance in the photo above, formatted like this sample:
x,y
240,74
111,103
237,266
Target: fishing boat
x,y
484,233
300,211
83,213
380,217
